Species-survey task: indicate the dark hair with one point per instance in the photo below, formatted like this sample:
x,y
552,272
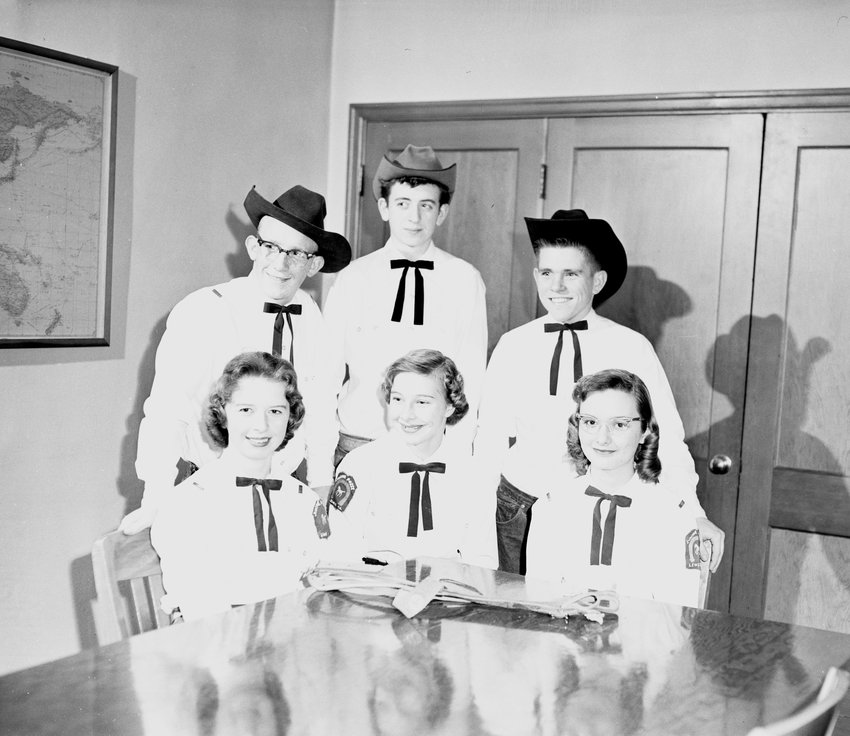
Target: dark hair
x,y
589,255
242,366
431,363
414,181
647,464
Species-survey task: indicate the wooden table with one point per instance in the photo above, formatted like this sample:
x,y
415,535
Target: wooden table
x,y
324,663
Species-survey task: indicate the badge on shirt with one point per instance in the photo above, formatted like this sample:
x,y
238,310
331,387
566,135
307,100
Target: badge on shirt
x,y
692,550
342,491
320,519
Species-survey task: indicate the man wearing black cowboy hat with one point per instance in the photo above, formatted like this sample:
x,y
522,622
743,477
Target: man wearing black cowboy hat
x,y
406,295
532,371
266,310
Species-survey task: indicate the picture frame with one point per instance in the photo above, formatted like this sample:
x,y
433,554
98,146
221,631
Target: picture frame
x,y
58,115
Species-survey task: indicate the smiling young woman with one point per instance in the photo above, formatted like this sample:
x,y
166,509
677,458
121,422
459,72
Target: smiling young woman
x,y
648,544
239,531
409,493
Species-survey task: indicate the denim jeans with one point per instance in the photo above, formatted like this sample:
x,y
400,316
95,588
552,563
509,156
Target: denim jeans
x,y
513,517
347,443
185,468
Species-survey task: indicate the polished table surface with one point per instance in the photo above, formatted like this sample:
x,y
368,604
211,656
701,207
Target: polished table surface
x,y
330,663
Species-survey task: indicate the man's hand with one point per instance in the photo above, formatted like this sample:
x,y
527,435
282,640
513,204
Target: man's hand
x,y
137,520
714,534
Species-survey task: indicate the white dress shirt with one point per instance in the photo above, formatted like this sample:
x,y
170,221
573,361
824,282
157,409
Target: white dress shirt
x,y
378,508
516,403
655,551
363,337
206,537
204,331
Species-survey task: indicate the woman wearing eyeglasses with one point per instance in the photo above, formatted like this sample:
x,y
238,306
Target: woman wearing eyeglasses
x,y
614,526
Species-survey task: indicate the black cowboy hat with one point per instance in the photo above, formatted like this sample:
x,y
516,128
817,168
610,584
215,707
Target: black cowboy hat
x,y
597,236
418,161
305,211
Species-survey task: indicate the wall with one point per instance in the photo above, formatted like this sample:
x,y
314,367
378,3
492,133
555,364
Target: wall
x,y
400,51
214,97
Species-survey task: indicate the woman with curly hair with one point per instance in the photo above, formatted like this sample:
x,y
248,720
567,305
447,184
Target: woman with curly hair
x,y
231,533
614,526
409,493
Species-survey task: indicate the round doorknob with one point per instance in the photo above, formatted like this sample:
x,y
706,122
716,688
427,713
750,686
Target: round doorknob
x,y
720,464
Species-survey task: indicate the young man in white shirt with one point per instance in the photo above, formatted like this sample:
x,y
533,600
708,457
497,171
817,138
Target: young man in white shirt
x,y
267,311
527,402
409,294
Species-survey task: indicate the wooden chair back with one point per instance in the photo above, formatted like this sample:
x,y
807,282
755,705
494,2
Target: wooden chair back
x,y
705,574
128,580
816,719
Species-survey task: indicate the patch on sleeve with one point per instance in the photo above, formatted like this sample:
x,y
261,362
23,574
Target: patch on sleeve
x,y
692,547
342,491
320,519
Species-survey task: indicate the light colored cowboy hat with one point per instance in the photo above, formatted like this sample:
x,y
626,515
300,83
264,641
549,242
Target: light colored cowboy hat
x,y
418,161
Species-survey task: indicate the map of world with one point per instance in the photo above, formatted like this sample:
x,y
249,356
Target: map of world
x,y
51,199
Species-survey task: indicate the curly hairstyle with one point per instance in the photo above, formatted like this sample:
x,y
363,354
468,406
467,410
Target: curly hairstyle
x,y
647,464
431,363
242,366
413,182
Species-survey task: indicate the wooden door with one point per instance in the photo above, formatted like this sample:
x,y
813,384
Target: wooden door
x,y
681,192
498,179
794,508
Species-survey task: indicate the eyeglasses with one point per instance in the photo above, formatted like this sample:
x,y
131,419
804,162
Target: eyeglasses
x,y
292,257
589,424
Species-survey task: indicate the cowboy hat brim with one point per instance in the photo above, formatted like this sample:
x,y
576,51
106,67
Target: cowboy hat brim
x,y
388,170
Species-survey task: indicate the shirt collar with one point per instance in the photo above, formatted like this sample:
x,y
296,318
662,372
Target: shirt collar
x,y
393,252
405,454
252,292
233,464
630,488
592,319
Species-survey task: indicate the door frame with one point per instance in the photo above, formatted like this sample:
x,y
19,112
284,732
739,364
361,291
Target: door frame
x,y
678,103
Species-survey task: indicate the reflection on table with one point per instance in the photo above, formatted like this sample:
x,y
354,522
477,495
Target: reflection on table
x,y
330,663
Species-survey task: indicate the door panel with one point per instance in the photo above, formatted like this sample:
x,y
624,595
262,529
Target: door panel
x,y
498,174
796,442
681,192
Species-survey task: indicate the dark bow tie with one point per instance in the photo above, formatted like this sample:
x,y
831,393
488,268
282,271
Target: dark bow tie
x,y
277,339
266,485
554,369
413,515
598,540
419,285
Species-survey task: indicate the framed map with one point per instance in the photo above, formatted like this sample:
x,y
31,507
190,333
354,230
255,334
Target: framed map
x,y
57,150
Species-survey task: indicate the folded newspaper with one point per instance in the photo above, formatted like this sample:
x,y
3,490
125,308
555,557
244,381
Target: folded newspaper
x,y
411,597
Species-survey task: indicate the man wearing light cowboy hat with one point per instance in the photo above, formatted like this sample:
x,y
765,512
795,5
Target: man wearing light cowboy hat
x,y
265,310
529,382
409,294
